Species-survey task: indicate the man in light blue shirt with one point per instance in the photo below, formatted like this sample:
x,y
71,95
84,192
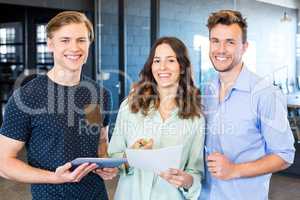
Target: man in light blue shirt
x,y
248,134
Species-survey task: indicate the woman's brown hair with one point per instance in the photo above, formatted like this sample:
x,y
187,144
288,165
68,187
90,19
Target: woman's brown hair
x,y
144,93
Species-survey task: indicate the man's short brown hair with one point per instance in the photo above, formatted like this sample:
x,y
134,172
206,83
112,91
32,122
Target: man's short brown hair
x,y
228,17
66,18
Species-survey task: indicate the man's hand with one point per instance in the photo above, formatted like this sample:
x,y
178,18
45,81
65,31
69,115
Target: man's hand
x,y
107,173
221,167
178,178
64,175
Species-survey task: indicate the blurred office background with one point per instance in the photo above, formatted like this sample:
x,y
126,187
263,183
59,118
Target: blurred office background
x,y
125,31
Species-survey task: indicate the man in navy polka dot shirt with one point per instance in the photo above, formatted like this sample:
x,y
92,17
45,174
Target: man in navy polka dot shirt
x,y
59,117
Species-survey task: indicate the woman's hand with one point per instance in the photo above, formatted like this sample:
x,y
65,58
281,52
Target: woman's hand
x,y
107,173
178,178
143,144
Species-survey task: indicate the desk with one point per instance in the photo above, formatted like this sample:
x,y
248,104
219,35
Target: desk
x,y
293,100
293,104
294,114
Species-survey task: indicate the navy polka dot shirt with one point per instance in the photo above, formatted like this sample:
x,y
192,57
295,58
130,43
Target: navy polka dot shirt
x,y
53,122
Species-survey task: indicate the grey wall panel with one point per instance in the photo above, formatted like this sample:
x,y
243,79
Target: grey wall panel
x,y
85,5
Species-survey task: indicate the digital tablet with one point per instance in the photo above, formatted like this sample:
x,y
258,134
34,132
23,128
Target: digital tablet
x,y
101,162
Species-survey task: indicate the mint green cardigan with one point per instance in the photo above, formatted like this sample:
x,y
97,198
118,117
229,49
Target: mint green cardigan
x,y
137,184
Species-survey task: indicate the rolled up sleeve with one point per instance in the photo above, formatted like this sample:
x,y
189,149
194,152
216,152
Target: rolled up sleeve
x,y
195,164
117,144
275,126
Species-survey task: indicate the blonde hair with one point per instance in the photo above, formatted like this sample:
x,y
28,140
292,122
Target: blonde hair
x,y
66,18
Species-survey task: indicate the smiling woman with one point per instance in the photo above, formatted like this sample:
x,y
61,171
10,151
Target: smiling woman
x,y
167,68
164,109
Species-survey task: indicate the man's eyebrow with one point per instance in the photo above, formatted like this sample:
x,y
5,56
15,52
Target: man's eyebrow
x,y
64,37
230,40
79,38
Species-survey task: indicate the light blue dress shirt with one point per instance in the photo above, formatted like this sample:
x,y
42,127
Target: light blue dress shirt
x,y
250,123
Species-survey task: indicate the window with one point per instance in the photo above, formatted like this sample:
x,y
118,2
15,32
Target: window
x,y
44,58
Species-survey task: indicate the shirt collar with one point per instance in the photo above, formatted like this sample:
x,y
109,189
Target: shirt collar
x,y
242,83
153,112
